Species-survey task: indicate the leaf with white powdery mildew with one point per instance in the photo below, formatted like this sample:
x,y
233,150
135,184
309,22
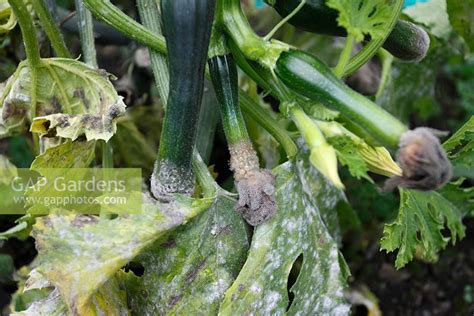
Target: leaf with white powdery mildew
x,y
78,253
85,98
190,270
302,225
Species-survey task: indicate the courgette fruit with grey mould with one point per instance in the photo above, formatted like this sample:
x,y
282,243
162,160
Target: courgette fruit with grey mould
x,y
406,41
187,26
254,185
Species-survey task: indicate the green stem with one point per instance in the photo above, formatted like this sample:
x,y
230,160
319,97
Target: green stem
x,y
239,30
345,57
27,30
387,60
107,155
31,47
110,14
371,49
284,20
51,29
253,109
151,18
204,177
86,33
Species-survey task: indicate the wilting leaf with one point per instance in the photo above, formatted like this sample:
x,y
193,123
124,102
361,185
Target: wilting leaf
x,y
421,219
461,16
71,154
78,253
361,18
8,171
190,270
84,96
305,202
110,299
7,18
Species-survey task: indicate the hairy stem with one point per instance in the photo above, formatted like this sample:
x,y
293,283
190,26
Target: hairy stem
x,y
51,29
86,33
31,47
345,57
387,60
110,14
151,18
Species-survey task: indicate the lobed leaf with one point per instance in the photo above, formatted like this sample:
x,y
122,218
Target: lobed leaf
x,y
422,218
363,18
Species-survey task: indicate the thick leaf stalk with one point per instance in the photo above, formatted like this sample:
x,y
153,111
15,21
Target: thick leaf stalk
x,y
187,25
255,186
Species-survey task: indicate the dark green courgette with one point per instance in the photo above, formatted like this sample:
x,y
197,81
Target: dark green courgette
x,y
187,27
305,74
254,185
407,41
224,78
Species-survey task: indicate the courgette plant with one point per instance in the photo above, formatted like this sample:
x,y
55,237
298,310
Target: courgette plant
x,y
205,250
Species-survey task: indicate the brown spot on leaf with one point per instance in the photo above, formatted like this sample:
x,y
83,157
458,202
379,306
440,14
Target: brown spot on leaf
x,y
79,93
55,105
192,276
174,300
82,220
170,243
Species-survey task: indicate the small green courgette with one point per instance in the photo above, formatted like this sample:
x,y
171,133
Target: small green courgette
x,y
187,26
407,41
305,74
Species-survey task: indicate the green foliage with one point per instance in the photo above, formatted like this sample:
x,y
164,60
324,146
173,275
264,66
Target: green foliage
x,y
363,18
305,224
419,225
349,155
460,147
461,16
